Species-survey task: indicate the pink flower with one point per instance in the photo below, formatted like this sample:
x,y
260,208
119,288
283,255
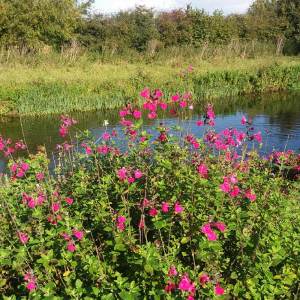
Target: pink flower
x,y
138,174
163,105
71,246
141,223
31,286
40,199
183,104
172,271
121,223
106,136
175,98
78,234
145,93
152,115
170,287
20,173
164,207
203,279
88,149
69,200
23,237
158,94
153,212
200,123
250,195
243,120
257,136
202,170
235,191
55,206
212,236
220,226
225,187
137,114
103,149
219,290
123,113
122,173
31,202
178,208
131,179
24,166
40,176
14,168
63,131
186,285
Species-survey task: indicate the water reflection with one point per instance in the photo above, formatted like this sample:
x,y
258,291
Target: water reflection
x,y
277,116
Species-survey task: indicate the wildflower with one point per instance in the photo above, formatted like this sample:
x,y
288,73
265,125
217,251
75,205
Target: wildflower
x,y
123,113
257,136
186,285
200,123
220,226
170,287
219,290
145,93
153,212
142,223
164,207
202,170
137,114
209,233
71,247
163,105
63,131
40,199
122,173
175,98
31,202
69,200
31,281
225,187
78,234
131,179
121,223
183,104
138,174
106,136
178,208
172,271
152,115
158,94
235,191
55,206
243,120
40,176
88,149
250,195
203,279
23,237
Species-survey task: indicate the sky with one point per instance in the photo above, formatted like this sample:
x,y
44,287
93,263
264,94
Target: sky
x,y
227,6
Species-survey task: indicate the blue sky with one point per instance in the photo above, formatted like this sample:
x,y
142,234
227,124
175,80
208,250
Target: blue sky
x,y
228,6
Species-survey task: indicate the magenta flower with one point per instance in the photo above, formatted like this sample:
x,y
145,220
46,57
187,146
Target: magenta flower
x,y
23,237
235,191
163,105
200,123
71,247
165,207
141,223
137,114
186,285
257,136
106,136
203,279
69,200
225,187
63,131
55,206
175,98
152,115
103,149
31,282
250,195
219,290
220,226
121,220
131,179
138,174
172,271
203,170
209,233
153,212
123,113
40,199
170,287
122,173
78,234
145,93
158,94
178,208
243,120
40,176
183,104
24,166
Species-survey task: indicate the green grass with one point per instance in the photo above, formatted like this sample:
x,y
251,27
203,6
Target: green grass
x,y
55,85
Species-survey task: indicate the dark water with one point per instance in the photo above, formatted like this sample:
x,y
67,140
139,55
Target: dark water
x,y
277,116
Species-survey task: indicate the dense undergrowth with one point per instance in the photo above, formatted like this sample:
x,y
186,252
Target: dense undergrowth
x,y
151,214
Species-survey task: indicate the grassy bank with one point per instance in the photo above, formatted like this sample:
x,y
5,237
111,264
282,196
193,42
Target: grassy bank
x,y
55,86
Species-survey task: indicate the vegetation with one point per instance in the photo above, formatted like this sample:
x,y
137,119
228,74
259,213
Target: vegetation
x,y
168,216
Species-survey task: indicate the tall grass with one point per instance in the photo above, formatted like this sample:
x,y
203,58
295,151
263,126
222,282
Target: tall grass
x,y
61,82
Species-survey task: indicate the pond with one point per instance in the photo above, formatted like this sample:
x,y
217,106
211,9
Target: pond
x,y
276,115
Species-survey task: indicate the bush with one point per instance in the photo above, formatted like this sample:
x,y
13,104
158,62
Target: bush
x,y
164,216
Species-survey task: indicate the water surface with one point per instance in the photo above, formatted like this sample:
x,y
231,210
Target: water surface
x,y
277,116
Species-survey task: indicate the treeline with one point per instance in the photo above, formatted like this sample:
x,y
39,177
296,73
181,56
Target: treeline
x,y
36,24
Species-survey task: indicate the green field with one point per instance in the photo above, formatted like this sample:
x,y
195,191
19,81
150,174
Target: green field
x,y
56,85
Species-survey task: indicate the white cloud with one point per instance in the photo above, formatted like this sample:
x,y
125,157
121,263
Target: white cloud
x,y
228,6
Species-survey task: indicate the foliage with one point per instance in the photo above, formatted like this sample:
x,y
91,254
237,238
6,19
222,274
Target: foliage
x,y
151,214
